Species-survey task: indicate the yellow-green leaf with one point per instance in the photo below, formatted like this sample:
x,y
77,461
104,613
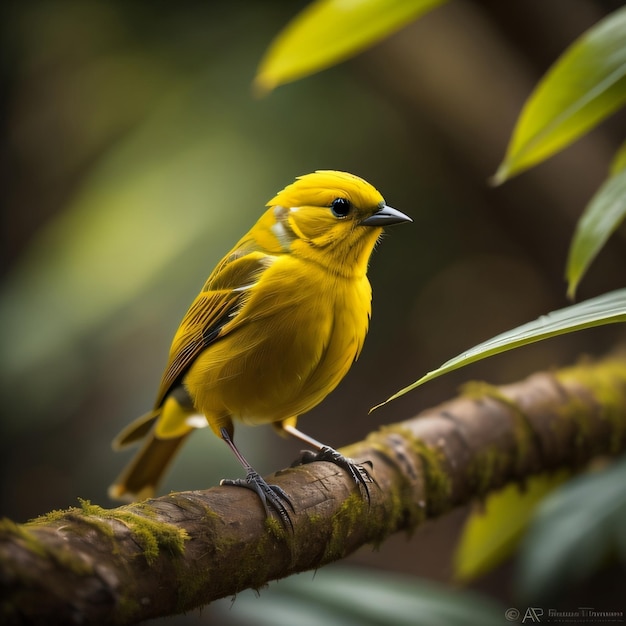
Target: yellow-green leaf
x,y
619,160
584,86
602,216
327,32
492,533
608,308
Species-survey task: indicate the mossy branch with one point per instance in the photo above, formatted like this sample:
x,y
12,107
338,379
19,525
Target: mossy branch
x,y
90,565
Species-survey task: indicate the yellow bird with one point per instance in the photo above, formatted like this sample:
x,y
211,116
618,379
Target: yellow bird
x,y
275,328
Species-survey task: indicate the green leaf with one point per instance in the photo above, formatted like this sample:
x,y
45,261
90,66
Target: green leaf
x,y
585,85
576,530
493,531
600,219
608,308
349,596
329,31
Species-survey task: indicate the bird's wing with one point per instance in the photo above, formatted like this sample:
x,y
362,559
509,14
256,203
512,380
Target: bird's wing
x,y
221,297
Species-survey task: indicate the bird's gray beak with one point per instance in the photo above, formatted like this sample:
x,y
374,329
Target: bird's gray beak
x,y
385,216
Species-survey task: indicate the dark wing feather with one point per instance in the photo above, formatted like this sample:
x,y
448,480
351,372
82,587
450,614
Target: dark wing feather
x,y
216,305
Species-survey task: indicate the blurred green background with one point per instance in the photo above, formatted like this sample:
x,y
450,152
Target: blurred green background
x,y
135,155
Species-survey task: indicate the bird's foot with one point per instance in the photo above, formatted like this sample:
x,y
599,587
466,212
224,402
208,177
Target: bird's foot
x,y
357,471
272,497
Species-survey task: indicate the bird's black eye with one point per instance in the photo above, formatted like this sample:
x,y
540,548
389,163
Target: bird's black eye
x,y
340,207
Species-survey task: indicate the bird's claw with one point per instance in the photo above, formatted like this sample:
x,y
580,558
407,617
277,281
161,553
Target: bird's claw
x,y
357,471
272,497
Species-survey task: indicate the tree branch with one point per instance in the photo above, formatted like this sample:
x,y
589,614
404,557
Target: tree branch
x,y
91,565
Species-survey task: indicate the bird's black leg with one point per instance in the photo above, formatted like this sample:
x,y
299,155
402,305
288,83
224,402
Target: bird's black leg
x,y
272,497
358,472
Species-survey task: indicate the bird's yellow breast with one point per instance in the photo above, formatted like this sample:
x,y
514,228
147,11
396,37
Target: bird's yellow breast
x,y
295,337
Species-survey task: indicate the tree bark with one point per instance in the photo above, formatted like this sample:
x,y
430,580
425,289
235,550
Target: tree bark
x,y
89,565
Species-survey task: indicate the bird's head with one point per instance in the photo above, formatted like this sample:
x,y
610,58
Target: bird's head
x,y
333,218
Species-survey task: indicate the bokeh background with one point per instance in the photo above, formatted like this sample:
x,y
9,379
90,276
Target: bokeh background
x,y
135,155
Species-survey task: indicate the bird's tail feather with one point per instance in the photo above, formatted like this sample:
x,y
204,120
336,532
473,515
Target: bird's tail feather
x,y
141,477
136,431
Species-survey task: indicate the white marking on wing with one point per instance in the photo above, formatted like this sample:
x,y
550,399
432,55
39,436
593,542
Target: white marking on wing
x,y
196,421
